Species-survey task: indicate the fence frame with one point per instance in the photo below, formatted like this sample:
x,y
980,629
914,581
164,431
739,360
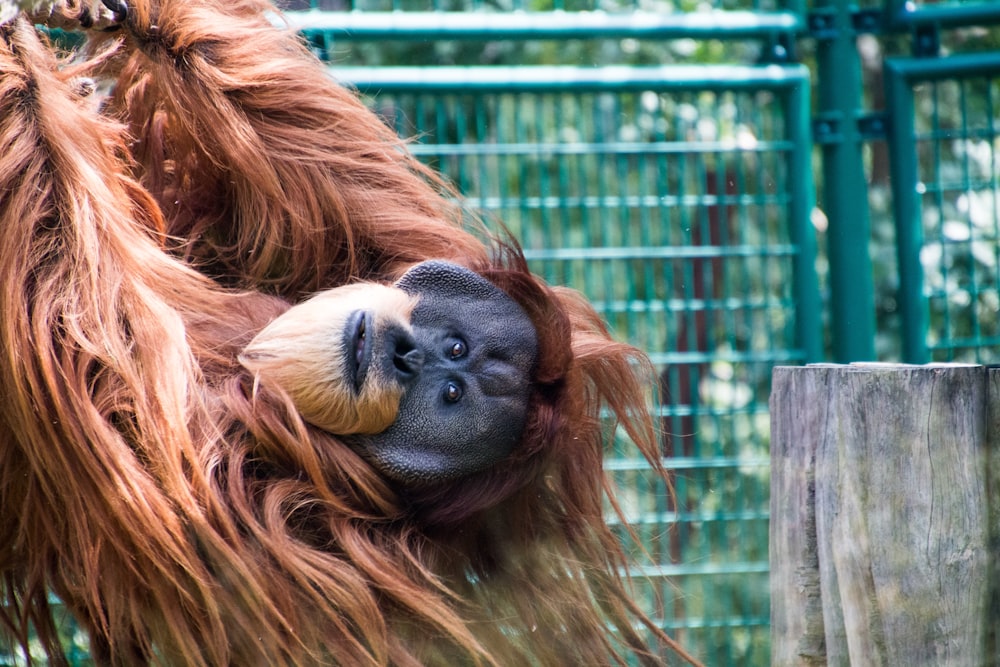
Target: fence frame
x,y
901,75
791,85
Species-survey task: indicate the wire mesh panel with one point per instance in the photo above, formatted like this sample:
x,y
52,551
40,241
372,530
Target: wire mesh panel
x,y
669,197
945,143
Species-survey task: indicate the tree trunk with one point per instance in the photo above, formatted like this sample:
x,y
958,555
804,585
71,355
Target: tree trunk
x,y
881,538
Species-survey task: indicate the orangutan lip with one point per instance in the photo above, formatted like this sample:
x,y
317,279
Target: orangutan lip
x,y
357,334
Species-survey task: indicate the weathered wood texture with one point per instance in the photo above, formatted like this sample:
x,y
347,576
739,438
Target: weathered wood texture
x,y
883,505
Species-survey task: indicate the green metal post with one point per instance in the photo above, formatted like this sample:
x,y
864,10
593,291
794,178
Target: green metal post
x,y
909,230
801,230
845,198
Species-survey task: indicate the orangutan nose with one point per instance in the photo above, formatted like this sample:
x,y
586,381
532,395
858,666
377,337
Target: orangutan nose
x,y
407,359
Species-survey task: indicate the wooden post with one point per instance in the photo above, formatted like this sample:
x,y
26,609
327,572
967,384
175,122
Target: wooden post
x,y
882,543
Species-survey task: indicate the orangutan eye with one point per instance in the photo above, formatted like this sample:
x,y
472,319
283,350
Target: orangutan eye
x,y
457,349
452,392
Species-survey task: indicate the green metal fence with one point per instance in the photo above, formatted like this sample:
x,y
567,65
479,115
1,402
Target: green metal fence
x,y
677,199
944,156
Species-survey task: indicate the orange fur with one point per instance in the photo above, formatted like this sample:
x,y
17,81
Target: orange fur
x,y
184,518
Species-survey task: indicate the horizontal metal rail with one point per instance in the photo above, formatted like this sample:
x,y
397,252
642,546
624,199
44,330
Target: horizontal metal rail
x,y
956,66
661,252
657,571
575,79
778,356
662,518
910,15
687,463
691,305
682,410
966,343
487,26
722,146
553,203
688,623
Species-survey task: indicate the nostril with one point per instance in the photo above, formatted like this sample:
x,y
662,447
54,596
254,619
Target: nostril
x,y
408,361
406,356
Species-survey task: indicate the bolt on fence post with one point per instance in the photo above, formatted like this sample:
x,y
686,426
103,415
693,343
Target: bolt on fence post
x,y
845,196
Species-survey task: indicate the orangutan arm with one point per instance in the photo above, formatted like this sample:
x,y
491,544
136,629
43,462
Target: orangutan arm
x,y
275,175
94,363
270,175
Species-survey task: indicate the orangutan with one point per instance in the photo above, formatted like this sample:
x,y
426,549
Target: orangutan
x,y
268,398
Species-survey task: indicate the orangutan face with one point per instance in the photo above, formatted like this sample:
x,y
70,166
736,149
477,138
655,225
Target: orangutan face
x,y
429,378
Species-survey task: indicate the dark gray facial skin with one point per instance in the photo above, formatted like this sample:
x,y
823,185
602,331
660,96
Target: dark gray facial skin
x,y
466,370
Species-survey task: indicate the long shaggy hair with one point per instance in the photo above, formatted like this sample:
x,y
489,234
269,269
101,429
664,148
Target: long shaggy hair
x,y
185,516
